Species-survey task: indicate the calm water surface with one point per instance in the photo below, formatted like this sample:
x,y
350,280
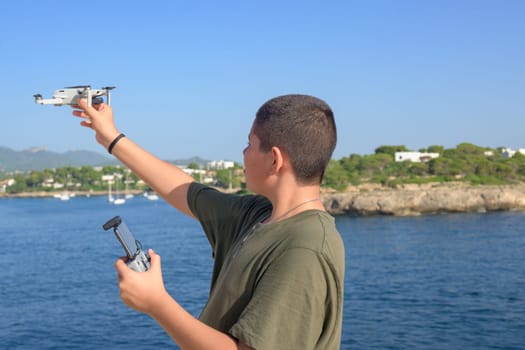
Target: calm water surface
x,y
433,282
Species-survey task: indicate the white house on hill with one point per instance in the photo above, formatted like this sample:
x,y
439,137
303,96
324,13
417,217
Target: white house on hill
x,y
415,157
221,164
509,153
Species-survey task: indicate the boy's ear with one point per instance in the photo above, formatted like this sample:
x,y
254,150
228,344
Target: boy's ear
x,y
278,159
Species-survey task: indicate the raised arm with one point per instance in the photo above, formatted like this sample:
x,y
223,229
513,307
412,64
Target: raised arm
x,y
170,182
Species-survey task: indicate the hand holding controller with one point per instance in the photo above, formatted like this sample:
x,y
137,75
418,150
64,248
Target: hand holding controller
x,y
136,258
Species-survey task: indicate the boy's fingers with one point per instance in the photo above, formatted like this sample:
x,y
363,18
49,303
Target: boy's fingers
x,y
155,261
121,266
86,124
82,103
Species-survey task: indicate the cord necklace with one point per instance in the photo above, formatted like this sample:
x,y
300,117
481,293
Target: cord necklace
x,y
291,210
255,227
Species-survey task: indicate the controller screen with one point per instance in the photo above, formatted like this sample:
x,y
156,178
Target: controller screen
x,y
127,240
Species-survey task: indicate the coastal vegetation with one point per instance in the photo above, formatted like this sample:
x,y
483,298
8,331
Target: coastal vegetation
x,y
85,178
466,163
98,179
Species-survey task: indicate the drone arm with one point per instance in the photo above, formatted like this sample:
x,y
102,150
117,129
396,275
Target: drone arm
x,y
107,92
49,101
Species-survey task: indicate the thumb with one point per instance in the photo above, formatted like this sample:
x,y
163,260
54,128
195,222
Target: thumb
x,y
82,103
121,267
155,261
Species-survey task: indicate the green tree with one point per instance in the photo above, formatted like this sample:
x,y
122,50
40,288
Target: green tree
x,y
435,149
468,149
445,167
398,169
89,178
391,150
419,169
34,180
335,176
19,185
374,165
518,161
484,167
351,166
504,170
224,177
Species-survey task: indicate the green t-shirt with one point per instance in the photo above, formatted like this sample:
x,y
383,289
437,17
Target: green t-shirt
x,y
274,286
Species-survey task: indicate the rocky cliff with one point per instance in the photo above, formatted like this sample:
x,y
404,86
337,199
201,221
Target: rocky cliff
x,y
425,199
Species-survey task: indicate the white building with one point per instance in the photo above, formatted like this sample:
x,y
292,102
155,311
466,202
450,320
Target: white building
x,y
191,172
221,164
415,157
203,175
4,184
509,153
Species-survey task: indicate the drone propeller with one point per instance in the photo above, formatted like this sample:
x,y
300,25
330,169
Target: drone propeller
x,y
79,87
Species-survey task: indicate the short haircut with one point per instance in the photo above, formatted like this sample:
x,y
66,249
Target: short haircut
x,y
303,127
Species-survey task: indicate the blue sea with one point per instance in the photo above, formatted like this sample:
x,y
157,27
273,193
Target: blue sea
x,y
430,282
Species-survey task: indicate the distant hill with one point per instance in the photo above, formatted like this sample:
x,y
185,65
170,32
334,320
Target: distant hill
x,y
39,158
185,162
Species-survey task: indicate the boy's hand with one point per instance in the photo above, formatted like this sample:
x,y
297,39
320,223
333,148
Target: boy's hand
x,y
141,291
98,117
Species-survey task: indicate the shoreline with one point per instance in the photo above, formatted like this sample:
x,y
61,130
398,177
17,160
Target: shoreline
x,y
44,194
405,200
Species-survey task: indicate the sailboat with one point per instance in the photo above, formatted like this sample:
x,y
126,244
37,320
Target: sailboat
x,y
66,195
151,196
127,182
110,196
113,200
118,200
62,196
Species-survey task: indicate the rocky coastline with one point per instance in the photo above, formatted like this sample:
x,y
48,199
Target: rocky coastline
x,y
411,200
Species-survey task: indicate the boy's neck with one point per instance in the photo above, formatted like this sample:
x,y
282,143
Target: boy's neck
x,y
291,200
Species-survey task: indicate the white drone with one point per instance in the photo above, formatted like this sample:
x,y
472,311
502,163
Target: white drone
x,y
70,96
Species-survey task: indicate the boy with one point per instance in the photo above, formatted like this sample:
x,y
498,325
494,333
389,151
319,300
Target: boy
x,y
278,259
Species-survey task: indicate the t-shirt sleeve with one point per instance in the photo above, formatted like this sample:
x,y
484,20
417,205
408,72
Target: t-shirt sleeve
x,y
287,309
215,211
224,216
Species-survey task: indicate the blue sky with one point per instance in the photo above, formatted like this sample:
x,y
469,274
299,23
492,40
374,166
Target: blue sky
x,y
190,75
